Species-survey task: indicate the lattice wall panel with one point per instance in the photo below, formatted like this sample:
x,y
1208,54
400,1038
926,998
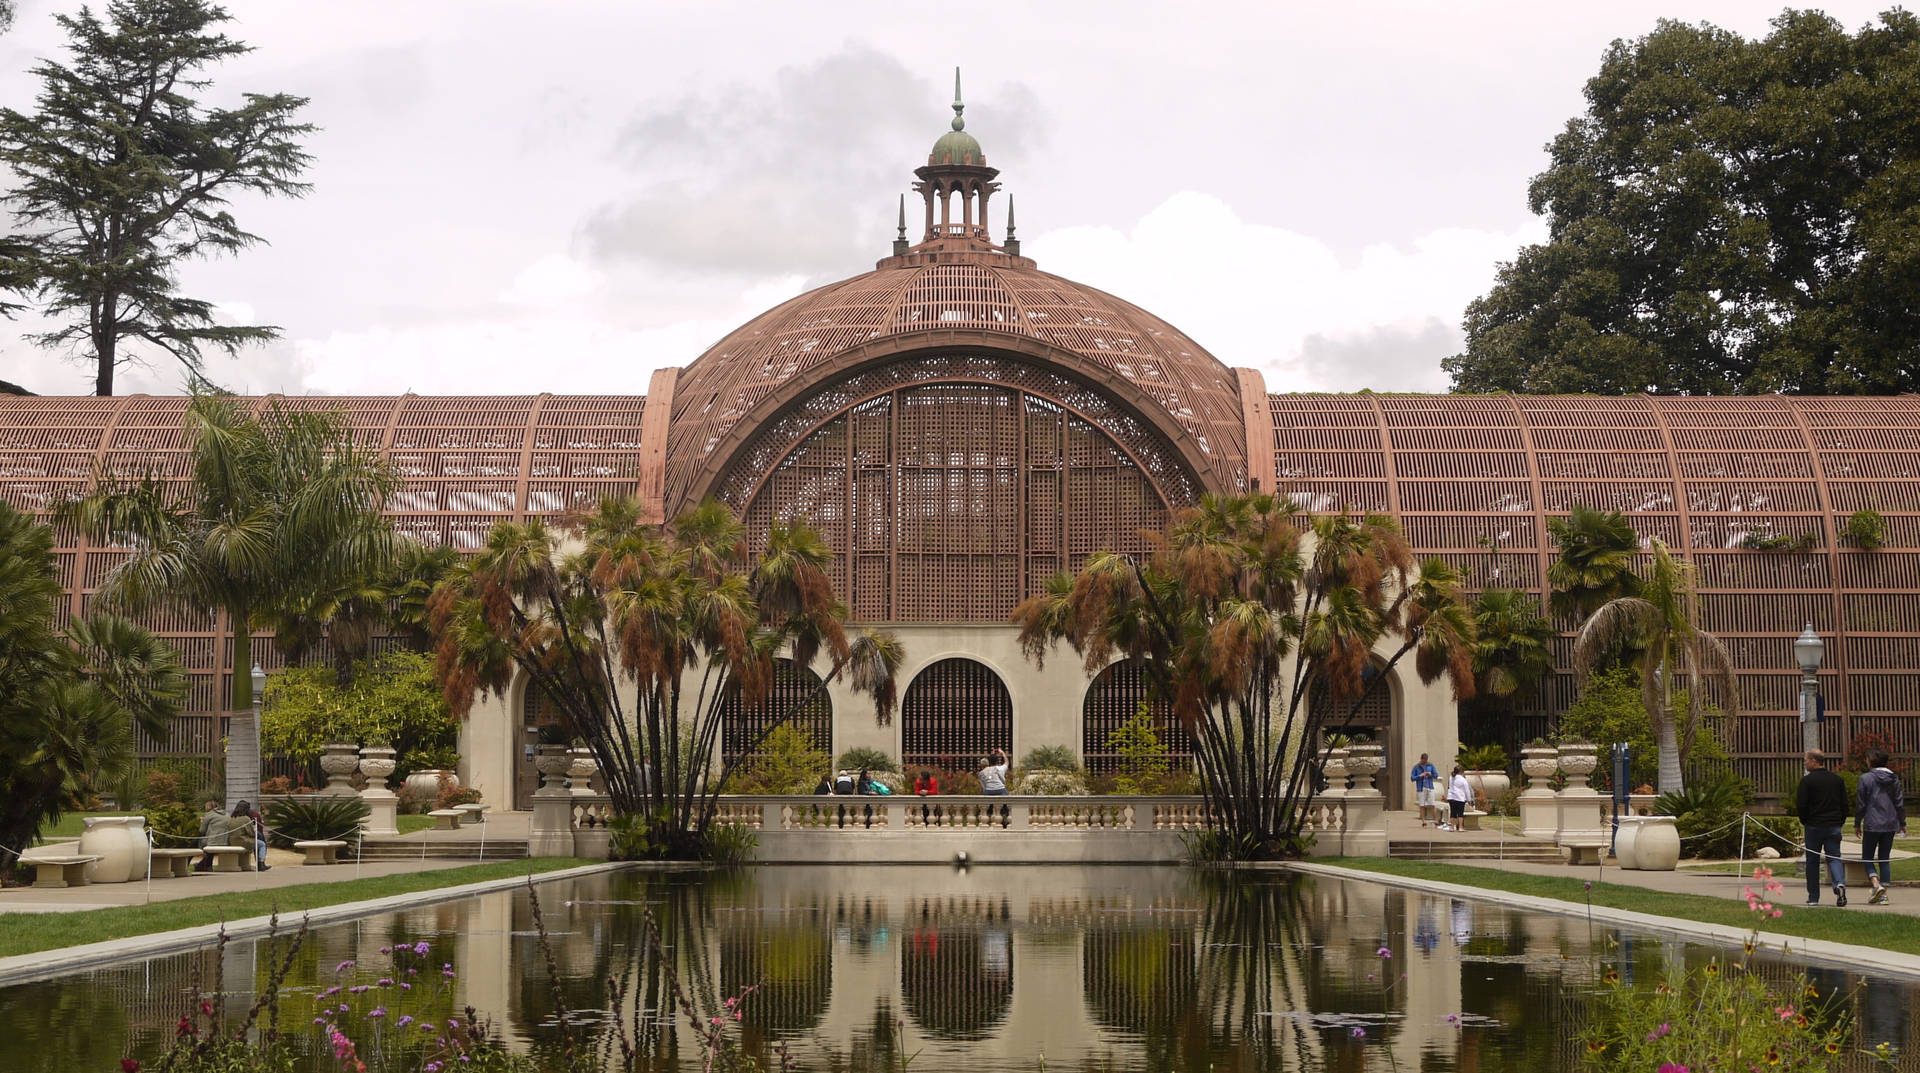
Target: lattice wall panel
x,y
1476,479
950,502
953,714
740,724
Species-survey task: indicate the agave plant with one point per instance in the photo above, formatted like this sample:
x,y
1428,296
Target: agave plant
x,y
315,818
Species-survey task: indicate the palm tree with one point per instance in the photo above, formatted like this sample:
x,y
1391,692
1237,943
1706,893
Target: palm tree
x,y
1513,644
69,700
1235,616
281,506
679,612
1660,623
352,610
1595,563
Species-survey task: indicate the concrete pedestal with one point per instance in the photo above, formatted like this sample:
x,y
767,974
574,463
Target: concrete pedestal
x,y
1366,833
552,834
383,814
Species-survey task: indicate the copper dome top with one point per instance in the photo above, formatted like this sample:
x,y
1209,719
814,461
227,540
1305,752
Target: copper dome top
x,y
958,293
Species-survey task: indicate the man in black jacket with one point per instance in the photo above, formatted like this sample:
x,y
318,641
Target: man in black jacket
x,y
1821,804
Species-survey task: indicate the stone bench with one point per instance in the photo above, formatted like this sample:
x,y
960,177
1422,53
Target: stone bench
x,y
172,863
231,858
446,819
1584,851
1470,820
325,851
474,813
61,870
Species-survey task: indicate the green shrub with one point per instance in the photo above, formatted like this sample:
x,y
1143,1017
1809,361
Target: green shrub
x,y
1610,710
1865,530
315,818
1482,758
1050,758
1707,815
786,763
1144,759
864,756
173,826
394,697
1051,782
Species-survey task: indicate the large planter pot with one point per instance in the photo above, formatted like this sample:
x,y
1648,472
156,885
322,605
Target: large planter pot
x,y
1657,848
339,761
121,842
1626,841
1578,761
424,785
1363,762
1494,784
1336,769
581,767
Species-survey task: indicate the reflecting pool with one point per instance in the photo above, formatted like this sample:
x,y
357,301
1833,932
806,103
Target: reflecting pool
x,y
1048,967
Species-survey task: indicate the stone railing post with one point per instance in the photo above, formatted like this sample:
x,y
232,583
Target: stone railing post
x,y
383,805
591,839
1366,817
552,834
1539,812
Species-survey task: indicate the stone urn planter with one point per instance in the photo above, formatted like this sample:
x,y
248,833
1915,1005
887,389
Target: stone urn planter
x,y
1336,769
1363,762
377,764
1577,760
581,767
552,762
1493,784
1626,839
1538,763
121,842
339,761
1657,847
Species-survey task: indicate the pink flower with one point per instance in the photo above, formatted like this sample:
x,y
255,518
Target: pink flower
x,y
1672,1067
1384,952
1659,1032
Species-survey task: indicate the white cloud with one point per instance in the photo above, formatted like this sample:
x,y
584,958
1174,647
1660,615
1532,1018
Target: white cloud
x,y
1285,302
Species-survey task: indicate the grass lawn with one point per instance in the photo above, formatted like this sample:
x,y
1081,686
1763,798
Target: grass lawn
x,y
73,824
24,933
1905,869
408,824
1887,931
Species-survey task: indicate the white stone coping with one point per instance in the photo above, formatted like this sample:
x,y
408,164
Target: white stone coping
x,y
1863,959
47,964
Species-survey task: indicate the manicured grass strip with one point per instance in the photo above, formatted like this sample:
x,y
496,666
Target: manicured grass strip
x,y
74,824
26,933
408,823
1863,926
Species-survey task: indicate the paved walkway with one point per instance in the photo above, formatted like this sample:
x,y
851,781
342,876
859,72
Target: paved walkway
x,y
285,871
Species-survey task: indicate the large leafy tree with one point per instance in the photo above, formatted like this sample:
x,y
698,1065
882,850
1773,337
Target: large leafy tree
x,y
1513,643
1673,654
280,505
121,173
1727,216
348,612
1235,617
641,634
69,699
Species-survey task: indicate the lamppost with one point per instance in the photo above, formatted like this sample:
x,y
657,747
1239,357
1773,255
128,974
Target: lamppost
x,y
1807,651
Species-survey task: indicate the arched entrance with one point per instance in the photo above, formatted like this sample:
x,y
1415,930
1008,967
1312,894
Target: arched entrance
x,y
1377,717
741,725
1113,697
953,713
536,711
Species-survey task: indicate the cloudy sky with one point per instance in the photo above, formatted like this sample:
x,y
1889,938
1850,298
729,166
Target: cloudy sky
x,y
563,195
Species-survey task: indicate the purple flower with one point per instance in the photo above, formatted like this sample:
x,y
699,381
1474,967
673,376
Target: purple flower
x,y
1453,1019
386,950
421,948
1659,1032
405,1020
1384,952
433,1067
331,991
384,981
426,1027
358,990
377,1011
1358,1032
343,966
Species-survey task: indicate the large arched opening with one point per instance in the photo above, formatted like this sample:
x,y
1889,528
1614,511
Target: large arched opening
x,y
1113,698
743,725
953,713
1377,717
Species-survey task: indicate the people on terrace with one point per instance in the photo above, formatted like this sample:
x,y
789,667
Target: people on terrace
x,y
993,774
926,785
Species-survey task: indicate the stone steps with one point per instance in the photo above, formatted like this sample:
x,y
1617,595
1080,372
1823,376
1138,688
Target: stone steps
x,y
1442,850
463,850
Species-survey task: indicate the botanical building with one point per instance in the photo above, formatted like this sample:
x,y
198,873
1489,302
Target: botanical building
x,y
961,424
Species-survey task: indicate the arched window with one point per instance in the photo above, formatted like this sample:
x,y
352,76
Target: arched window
x,y
1112,698
953,713
789,967
740,725
1373,716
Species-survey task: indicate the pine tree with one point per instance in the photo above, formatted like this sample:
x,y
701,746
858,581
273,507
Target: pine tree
x,y
121,173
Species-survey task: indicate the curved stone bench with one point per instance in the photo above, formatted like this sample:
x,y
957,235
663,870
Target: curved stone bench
x,y
321,852
1584,851
447,819
474,813
170,863
61,870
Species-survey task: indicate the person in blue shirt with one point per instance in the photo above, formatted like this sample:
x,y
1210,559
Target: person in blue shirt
x,y
1424,776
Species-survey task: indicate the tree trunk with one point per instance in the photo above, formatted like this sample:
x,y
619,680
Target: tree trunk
x,y
1668,747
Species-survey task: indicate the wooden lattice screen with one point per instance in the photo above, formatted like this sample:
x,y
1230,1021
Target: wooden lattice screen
x,y
1112,698
792,685
953,714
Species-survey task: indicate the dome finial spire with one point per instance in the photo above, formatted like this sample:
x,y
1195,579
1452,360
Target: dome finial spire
x,y
959,122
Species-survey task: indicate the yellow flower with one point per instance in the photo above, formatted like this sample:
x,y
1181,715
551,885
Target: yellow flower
x,y
1595,1046
1772,1056
1662,989
1713,968
1812,991
1833,1047
1610,977
1802,1021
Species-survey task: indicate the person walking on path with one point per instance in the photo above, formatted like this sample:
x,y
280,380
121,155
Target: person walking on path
x,y
1423,778
1458,794
1883,812
1821,804
993,774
